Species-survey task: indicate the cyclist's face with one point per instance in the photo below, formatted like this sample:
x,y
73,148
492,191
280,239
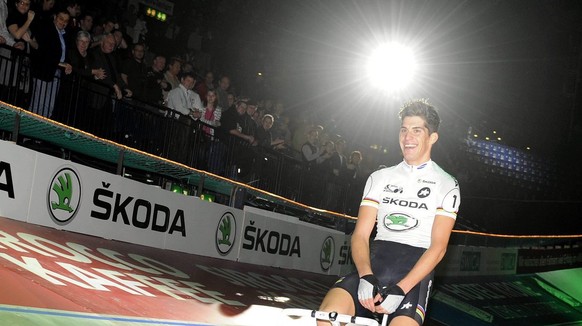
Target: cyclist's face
x,y
415,140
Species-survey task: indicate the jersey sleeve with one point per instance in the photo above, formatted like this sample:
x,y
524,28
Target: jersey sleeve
x,y
451,200
371,197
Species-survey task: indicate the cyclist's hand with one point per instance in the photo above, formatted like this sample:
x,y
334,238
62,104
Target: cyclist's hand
x,y
393,296
368,291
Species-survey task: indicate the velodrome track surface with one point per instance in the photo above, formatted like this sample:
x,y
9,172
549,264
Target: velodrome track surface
x,y
44,284
44,281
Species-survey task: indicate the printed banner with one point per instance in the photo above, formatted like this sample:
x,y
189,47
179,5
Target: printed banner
x,y
16,175
277,240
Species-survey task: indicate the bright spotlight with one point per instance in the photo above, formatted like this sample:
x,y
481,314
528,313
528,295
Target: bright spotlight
x,y
391,67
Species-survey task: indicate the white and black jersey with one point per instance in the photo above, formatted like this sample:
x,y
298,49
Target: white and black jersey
x,y
408,198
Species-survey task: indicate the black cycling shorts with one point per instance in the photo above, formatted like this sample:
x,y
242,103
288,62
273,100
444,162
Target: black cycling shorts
x,y
391,262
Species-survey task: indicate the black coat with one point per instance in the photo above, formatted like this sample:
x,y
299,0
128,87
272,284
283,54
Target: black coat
x,y
45,60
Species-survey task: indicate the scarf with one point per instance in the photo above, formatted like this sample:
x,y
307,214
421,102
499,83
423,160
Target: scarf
x,y
208,117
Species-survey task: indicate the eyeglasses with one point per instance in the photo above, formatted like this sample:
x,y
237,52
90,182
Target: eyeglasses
x,y
24,3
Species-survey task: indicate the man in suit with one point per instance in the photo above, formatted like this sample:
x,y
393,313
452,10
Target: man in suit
x,y
47,63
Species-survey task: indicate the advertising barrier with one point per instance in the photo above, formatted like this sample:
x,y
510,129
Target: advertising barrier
x,y
282,241
16,174
49,191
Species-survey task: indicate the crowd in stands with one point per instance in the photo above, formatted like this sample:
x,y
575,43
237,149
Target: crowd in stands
x,y
63,39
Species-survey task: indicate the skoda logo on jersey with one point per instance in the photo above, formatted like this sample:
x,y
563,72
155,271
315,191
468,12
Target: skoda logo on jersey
x,y
64,196
327,253
225,233
399,222
393,189
423,193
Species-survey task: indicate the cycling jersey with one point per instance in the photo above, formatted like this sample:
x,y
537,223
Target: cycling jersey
x,y
408,198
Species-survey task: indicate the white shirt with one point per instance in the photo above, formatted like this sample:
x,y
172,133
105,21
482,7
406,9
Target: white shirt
x,y
184,100
3,28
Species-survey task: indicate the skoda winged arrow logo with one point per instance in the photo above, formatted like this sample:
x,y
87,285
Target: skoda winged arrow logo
x,y
399,222
64,196
327,253
225,233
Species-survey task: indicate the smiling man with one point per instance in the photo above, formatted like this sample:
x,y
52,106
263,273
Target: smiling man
x,y
414,205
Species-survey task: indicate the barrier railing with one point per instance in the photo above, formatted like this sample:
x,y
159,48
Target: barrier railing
x,y
89,105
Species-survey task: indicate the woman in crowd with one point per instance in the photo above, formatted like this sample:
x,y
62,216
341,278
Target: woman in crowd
x,y
79,59
212,113
211,116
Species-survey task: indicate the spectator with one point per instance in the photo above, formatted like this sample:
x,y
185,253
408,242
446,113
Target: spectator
x,y
47,61
300,130
79,60
264,138
187,66
230,100
171,74
138,34
134,72
310,150
278,112
335,183
207,84
5,37
352,171
283,131
85,23
6,66
258,117
18,22
74,10
232,122
214,150
314,185
354,182
111,85
121,46
222,92
185,102
186,106
106,27
155,82
249,126
339,161
72,7
172,32
128,20
103,58
232,132
211,114
43,14
324,160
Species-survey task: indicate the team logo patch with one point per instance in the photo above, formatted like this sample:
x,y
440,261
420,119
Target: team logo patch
x,y
399,222
64,196
423,193
393,189
225,233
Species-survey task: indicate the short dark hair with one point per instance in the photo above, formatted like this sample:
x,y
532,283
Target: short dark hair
x,y
85,15
421,108
187,74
